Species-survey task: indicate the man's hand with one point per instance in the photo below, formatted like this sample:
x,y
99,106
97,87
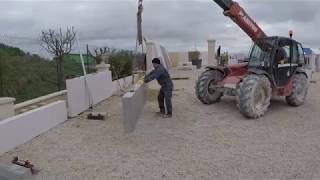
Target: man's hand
x,y
140,80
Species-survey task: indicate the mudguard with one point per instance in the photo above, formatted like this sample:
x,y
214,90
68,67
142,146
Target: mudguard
x,y
223,69
258,72
305,72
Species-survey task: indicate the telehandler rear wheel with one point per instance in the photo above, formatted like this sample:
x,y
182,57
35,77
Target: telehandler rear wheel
x,y
254,95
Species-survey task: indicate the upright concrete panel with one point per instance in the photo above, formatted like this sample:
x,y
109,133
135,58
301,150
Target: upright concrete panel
x,y
204,57
100,85
132,105
77,96
81,95
19,129
211,52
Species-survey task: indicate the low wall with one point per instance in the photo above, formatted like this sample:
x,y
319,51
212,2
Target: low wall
x,y
19,129
40,99
100,87
132,105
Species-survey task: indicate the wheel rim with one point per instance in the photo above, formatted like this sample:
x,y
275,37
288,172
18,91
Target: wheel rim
x,y
211,87
301,91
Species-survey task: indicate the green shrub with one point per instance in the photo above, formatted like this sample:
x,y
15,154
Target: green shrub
x,y
121,63
26,76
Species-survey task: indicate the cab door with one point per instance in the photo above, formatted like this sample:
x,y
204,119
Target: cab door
x,y
287,60
295,58
282,70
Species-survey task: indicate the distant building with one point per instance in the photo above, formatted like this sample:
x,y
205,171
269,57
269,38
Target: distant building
x,y
307,51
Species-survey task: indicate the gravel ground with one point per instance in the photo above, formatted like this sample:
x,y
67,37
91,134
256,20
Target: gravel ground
x,y
199,142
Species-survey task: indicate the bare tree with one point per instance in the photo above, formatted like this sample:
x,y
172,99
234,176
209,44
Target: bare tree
x,y
100,52
58,43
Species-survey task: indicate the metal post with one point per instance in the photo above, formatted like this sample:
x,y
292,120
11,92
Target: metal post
x,y
87,58
81,57
84,73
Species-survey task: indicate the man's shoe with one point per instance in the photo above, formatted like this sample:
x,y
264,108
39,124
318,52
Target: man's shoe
x,y
161,113
167,116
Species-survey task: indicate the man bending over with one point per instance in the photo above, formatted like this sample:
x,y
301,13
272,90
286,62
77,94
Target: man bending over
x,y
162,76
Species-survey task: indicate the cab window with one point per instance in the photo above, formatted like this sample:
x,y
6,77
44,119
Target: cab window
x,y
295,55
301,54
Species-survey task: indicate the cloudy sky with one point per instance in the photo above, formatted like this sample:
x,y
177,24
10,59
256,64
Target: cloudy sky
x,y
180,25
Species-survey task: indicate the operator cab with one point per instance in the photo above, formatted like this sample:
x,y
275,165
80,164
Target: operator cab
x,y
278,57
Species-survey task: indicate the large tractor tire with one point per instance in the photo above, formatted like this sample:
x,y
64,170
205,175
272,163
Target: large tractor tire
x,y
254,96
299,90
205,90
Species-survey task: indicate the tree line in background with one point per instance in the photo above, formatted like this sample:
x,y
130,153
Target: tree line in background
x,y
26,76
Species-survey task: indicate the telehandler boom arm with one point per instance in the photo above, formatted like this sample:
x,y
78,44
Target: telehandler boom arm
x,y
241,18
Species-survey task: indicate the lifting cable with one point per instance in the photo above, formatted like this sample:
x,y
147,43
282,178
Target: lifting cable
x,y
139,23
140,38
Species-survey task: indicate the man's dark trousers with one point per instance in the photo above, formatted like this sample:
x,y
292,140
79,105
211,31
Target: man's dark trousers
x,y
165,96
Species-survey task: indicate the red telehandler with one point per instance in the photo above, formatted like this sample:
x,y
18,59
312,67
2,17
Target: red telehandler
x,y
276,66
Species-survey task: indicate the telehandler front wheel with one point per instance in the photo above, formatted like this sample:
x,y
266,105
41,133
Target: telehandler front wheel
x,y
254,95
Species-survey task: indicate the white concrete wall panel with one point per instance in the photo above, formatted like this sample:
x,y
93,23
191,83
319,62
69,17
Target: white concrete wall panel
x,y
132,105
204,57
77,96
212,52
20,129
80,96
100,85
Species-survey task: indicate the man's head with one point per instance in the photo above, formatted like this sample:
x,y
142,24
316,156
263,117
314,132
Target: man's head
x,y
155,62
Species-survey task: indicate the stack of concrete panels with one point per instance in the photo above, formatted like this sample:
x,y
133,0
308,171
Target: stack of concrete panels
x,y
132,104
